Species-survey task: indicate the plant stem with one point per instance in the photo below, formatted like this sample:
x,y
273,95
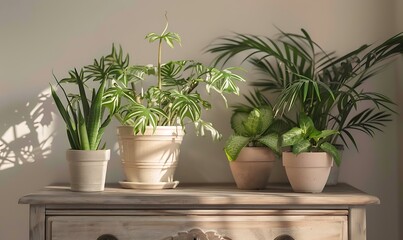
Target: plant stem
x,y
159,64
136,97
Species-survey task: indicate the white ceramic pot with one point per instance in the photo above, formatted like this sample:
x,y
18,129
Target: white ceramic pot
x,y
252,168
151,157
87,169
307,172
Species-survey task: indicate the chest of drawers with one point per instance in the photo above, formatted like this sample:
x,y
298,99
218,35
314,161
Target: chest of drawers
x,y
199,212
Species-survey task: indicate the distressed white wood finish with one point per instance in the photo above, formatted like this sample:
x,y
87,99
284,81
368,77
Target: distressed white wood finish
x,y
358,230
209,194
197,234
338,213
232,227
283,212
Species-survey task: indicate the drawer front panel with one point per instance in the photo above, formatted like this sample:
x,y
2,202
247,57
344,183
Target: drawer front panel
x,y
196,227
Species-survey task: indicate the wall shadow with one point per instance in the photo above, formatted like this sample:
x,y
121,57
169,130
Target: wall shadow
x,y
26,133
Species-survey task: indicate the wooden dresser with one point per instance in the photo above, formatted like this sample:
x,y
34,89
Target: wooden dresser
x,y
198,212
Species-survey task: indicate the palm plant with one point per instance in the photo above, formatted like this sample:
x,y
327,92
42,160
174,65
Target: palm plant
x,y
174,99
327,88
85,119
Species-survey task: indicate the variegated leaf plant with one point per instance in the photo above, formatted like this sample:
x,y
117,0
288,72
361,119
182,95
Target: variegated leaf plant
x,y
174,99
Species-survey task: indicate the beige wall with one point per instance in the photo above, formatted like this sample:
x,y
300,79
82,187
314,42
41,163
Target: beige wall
x,y
39,36
399,87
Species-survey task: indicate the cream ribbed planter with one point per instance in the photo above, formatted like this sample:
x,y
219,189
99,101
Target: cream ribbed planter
x,y
252,168
87,169
152,157
307,172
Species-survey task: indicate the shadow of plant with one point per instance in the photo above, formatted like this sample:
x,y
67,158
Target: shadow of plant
x,y
27,135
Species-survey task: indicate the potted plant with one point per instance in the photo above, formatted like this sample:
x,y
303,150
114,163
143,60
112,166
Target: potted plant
x,y
329,89
154,119
253,147
85,122
311,157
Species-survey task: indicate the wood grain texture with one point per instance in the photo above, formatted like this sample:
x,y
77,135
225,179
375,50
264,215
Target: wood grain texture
x,y
357,223
169,227
204,195
191,212
37,222
197,234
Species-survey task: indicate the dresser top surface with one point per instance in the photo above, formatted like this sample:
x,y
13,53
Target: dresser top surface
x,y
203,195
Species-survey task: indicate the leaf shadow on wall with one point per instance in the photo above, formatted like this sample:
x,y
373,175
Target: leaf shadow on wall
x,y
26,135
27,157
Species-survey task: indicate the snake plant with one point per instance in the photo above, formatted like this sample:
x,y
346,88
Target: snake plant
x,y
174,98
327,88
85,119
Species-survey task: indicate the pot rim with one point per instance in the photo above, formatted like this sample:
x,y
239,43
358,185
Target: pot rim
x,y
307,159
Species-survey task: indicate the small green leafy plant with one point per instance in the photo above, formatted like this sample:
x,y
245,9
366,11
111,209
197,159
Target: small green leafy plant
x,y
174,99
85,119
253,126
306,138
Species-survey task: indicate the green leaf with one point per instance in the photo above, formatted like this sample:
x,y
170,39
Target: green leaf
x,y
332,150
70,122
322,134
301,146
140,116
102,130
254,123
152,37
186,106
279,126
223,81
234,145
271,141
202,126
306,124
72,141
112,98
293,136
83,96
258,121
237,125
82,131
95,116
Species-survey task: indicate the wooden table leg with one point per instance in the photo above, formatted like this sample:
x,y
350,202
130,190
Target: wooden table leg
x,y
37,222
358,226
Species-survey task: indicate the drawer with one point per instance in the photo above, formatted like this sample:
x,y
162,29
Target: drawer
x,y
215,227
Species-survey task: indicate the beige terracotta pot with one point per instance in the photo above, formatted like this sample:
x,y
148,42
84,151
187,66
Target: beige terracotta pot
x,y
252,168
151,157
87,169
307,172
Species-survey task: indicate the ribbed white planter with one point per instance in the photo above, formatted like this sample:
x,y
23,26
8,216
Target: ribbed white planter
x,y
307,172
87,169
252,168
151,157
